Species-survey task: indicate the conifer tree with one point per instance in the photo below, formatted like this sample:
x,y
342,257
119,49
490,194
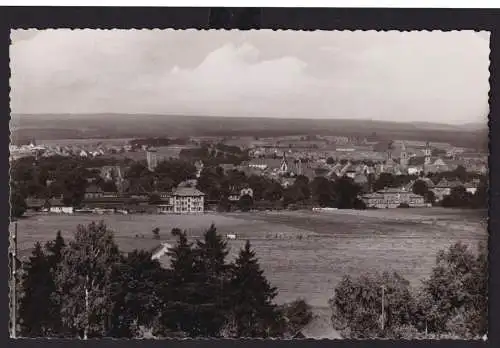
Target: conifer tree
x,y
179,312
253,311
137,282
55,251
35,307
213,278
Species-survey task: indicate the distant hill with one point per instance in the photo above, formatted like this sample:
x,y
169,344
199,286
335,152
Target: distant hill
x,y
110,125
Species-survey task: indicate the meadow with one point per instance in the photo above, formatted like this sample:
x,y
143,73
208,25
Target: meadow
x,y
304,254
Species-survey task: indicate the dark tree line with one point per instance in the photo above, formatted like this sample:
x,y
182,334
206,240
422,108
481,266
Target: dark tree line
x,y
87,288
156,142
214,155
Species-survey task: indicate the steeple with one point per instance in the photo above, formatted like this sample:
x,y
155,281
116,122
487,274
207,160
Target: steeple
x,y
403,161
389,152
284,164
427,153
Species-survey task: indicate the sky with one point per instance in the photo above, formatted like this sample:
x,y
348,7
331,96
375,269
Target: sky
x,y
389,76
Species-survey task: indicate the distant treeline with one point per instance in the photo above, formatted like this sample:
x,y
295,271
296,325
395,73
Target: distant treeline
x,y
157,142
137,126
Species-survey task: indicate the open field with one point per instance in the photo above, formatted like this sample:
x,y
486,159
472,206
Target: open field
x,y
304,254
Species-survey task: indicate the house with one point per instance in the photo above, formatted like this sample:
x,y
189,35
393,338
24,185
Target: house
x,y
236,194
362,181
444,187
58,207
199,168
471,187
93,191
393,198
110,173
35,204
184,200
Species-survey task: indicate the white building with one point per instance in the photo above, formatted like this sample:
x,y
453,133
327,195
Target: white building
x,y
184,200
56,206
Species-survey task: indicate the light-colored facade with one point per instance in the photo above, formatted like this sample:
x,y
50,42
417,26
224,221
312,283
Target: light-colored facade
x,y
184,200
61,210
393,198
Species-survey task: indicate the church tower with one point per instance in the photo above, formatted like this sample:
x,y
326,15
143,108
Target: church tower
x,y
403,161
389,152
427,154
299,167
284,164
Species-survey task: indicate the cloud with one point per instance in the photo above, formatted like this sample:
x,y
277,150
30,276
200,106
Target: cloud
x,y
426,76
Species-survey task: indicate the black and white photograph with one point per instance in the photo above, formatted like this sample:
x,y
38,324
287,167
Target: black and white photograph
x,y
249,184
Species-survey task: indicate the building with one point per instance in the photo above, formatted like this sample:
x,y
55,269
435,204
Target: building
x,y
393,198
184,200
199,168
236,194
444,187
35,204
58,207
403,157
471,187
152,159
291,168
93,191
427,154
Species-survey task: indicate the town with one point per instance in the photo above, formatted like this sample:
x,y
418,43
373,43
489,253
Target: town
x,y
259,184
198,174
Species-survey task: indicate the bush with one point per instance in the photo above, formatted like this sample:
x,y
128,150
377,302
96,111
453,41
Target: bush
x,y
357,303
455,297
296,315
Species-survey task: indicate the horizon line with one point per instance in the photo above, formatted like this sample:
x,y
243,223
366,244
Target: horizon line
x,y
246,117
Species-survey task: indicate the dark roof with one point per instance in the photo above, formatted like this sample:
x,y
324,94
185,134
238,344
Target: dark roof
x,y
187,191
93,189
448,184
56,202
35,202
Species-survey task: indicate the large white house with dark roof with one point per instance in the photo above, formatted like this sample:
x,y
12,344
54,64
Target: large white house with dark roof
x,y
184,200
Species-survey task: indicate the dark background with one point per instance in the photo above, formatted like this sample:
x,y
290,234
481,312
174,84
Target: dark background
x,y
260,18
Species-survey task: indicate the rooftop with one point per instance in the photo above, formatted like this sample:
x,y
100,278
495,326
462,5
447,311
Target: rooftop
x,y
187,191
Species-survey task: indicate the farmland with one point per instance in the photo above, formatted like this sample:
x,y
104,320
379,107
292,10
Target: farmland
x,y
304,254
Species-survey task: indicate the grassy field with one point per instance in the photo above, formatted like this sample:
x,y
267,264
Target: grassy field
x,y
304,254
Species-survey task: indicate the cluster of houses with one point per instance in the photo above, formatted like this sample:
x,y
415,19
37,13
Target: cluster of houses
x,y
185,199
181,200
404,196
82,151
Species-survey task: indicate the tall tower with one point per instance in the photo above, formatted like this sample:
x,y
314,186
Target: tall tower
x,y
427,154
403,161
151,159
284,164
389,152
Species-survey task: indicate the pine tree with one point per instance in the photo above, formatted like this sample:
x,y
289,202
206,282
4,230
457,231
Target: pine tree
x,y
55,251
253,311
137,282
179,312
35,307
213,282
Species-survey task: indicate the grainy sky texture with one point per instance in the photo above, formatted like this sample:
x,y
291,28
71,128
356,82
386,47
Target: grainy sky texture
x,y
390,76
